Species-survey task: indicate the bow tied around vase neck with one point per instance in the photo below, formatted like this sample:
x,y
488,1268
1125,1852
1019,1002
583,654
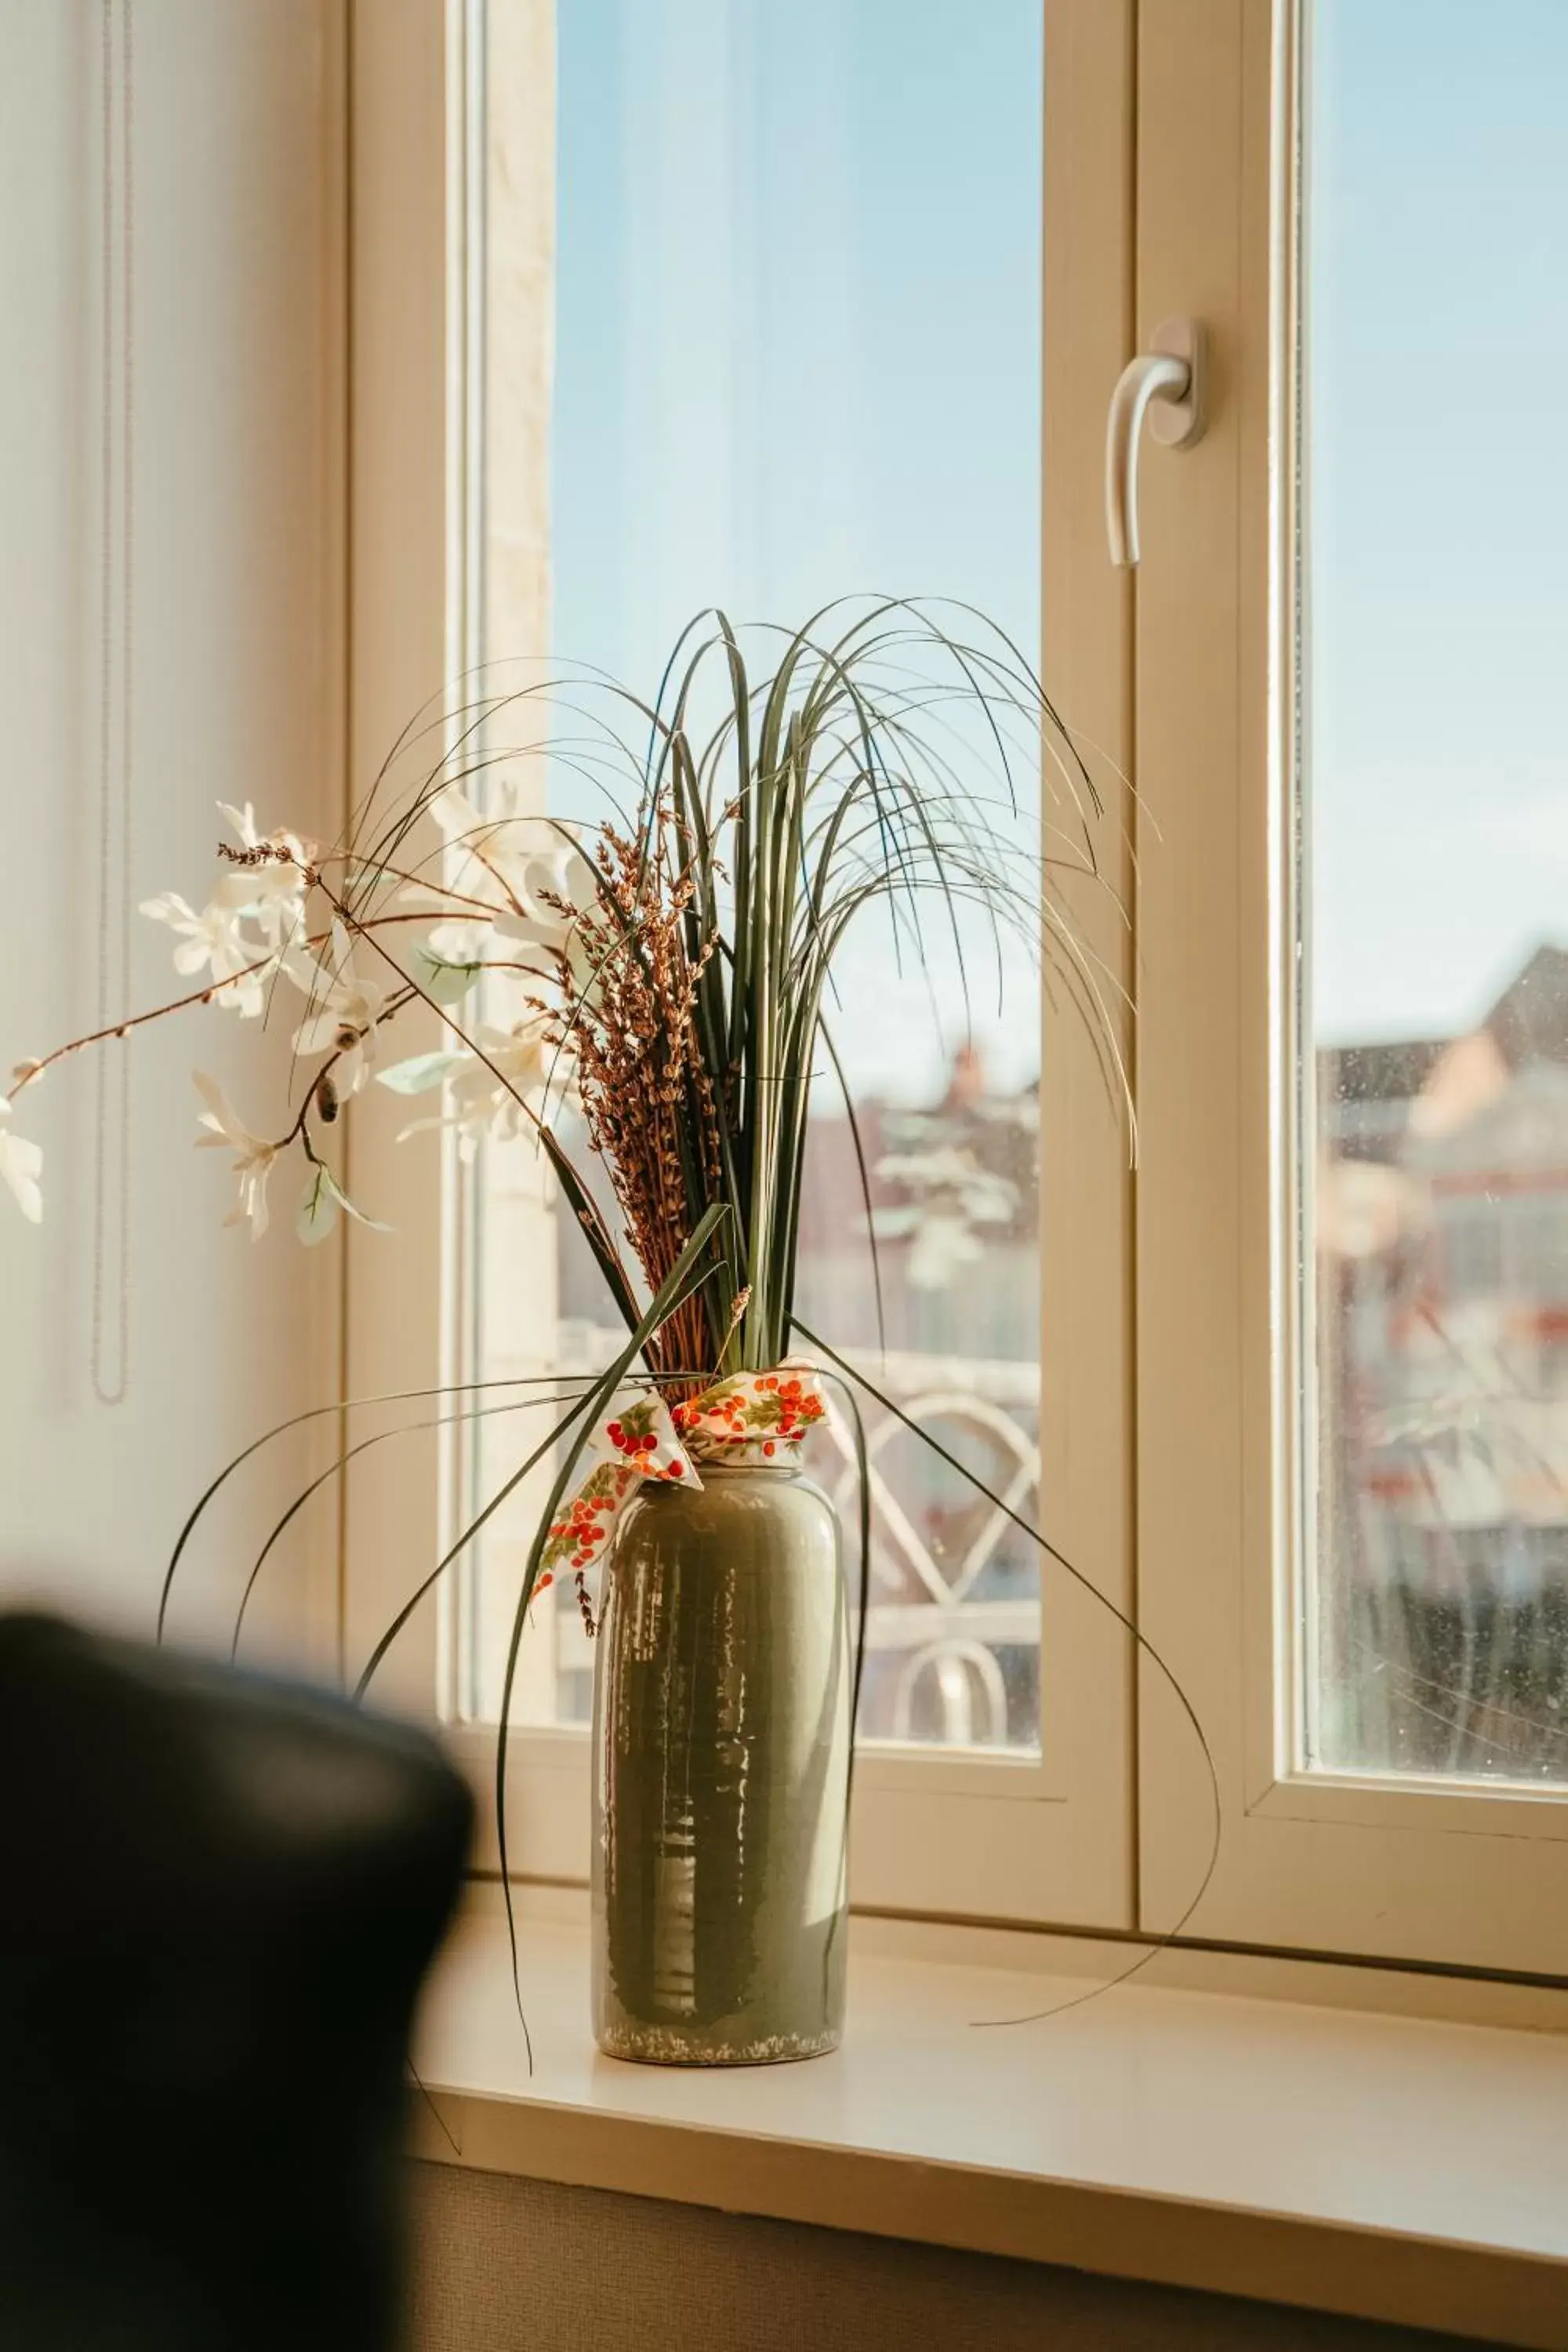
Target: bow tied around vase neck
x,y
750,1418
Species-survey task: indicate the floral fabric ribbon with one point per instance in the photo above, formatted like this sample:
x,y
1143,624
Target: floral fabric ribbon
x,y
753,1417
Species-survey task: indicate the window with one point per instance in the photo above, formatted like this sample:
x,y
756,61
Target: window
x,y
1293,1390
995,1695
755,227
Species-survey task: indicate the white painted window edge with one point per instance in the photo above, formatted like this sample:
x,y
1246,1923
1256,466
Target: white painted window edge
x,y
1380,2167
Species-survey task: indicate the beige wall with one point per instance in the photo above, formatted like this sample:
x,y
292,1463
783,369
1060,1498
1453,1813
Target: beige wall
x,y
238,230
505,2265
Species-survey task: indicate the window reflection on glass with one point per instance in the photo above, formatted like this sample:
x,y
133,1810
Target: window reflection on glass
x,y
1435,612
792,250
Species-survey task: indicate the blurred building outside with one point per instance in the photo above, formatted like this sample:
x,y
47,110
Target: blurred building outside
x,y
1442,1409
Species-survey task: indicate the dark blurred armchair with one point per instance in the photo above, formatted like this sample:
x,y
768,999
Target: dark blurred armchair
x,y
219,1894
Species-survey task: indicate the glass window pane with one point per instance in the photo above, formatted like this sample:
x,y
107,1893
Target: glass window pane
x,y
1434,609
794,276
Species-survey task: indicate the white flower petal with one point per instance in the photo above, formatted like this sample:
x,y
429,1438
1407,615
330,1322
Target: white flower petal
x,y
547,931
245,995
167,908
219,1111
243,821
420,1071
426,897
21,1165
253,1196
454,812
319,1034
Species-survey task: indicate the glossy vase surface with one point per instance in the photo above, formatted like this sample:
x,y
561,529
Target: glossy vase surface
x,y
720,1770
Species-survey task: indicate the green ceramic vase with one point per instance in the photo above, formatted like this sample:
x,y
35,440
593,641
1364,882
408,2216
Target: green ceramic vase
x,y
721,1774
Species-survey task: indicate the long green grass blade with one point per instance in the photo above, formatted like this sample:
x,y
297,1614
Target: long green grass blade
x,y
337,1468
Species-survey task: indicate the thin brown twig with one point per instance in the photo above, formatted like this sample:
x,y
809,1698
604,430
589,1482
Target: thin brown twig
x,y
215,988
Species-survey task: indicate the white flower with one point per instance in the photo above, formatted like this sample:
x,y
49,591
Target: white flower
x,y
21,1165
460,943
243,821
555,936
517,863
270,892
450,960
483,1093
253,1158
559,937
561,887
344,1011
213,938
520,1061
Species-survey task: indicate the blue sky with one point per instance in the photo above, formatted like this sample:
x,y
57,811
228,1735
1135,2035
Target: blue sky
x,y
1439,356
797,351
797,310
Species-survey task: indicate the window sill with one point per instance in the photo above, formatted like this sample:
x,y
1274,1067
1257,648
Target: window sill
x,y
1393,2167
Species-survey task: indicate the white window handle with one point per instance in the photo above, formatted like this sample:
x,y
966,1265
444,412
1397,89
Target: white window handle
x,y
1171,373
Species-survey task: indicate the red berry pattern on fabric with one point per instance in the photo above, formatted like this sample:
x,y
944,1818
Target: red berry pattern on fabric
x,y
762,1412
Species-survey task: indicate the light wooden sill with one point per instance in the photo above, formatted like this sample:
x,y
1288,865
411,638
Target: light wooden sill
x,y
1394,2167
